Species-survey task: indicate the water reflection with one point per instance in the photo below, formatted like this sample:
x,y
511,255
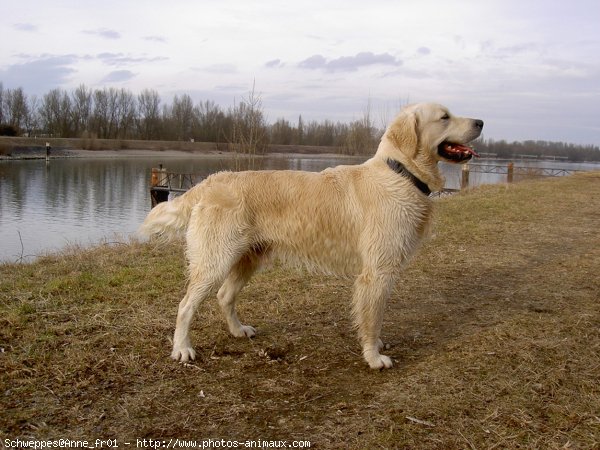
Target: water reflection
x,y
82,201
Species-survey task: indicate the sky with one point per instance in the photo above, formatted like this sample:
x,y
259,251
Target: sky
x,y
529,69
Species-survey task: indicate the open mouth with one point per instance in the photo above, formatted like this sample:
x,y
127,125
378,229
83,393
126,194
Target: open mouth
x,y
456,152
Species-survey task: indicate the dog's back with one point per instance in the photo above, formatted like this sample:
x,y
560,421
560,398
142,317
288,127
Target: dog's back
x,y
323,220
300,217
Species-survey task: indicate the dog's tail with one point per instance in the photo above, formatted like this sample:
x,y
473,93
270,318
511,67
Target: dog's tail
x,y
170,219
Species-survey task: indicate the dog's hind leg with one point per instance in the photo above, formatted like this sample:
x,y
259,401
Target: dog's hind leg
x,y
209,265
202,282
238,277
371,290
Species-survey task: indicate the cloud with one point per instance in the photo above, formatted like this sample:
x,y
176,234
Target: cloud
x,y
117,76
104,32
28,27
41,74
314,62
512,51
220,68
160,39
349,63
120,59
423,51
274,64
234,87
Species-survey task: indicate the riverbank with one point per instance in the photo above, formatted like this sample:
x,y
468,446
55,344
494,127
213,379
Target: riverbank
x,y
35,148
494,330
168,154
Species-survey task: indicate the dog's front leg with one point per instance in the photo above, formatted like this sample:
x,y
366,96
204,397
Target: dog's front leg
x,y
371,290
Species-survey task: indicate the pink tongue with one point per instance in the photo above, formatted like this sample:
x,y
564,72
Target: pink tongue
x,y
461,149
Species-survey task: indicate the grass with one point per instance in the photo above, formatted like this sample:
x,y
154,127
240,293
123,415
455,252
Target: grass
x,y
494,329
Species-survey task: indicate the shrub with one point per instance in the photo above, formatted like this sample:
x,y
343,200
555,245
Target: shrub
x,y
8,130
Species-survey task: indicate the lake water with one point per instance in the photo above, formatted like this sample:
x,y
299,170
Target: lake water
x,y
84,201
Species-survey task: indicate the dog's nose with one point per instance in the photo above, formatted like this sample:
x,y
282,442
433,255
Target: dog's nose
x,y
479,124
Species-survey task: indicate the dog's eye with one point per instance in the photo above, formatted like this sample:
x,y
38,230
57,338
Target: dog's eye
x,y
445,117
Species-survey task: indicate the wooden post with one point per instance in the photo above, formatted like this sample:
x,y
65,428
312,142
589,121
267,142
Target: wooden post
x,y
509,172
154,177
159,176
158,185
464,182
163,178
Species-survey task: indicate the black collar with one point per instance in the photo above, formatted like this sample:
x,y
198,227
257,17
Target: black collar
x,y
399,168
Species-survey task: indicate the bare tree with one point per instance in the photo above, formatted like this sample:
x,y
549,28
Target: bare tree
x,y
106,113
281,132
324,133
125,112
362,137
182,113
101,114
249,136
149,121
212,124
1,103
55,113
15,105
32,120
81,110
300,131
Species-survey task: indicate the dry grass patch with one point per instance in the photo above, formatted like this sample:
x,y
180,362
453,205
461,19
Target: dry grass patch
x,y
494,330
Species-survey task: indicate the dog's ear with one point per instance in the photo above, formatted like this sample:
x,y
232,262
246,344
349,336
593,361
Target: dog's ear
x,y
403,133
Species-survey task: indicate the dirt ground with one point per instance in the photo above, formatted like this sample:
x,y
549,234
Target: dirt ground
x,y
494,330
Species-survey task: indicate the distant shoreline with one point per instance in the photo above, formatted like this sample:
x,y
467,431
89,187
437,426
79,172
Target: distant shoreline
x,y
142,153
34,148
29,154
24,148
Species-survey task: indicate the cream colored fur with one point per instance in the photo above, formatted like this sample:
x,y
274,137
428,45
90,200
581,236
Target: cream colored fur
x,y
363,221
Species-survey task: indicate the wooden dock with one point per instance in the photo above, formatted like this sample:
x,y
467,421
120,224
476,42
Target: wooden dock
x,y
163,184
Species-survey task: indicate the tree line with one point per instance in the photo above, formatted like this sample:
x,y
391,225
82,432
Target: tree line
x,y
538,149
111,113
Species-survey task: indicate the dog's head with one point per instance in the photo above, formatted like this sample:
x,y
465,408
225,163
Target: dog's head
x,y
424,134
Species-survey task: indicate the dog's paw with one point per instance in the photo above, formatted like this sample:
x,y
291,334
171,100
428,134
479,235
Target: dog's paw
x,y
245,331
183,354
380,362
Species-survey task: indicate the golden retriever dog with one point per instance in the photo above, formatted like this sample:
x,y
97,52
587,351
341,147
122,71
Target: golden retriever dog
x,y
363,221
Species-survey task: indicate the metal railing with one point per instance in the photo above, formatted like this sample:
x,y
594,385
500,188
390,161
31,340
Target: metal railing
x,y
506,169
